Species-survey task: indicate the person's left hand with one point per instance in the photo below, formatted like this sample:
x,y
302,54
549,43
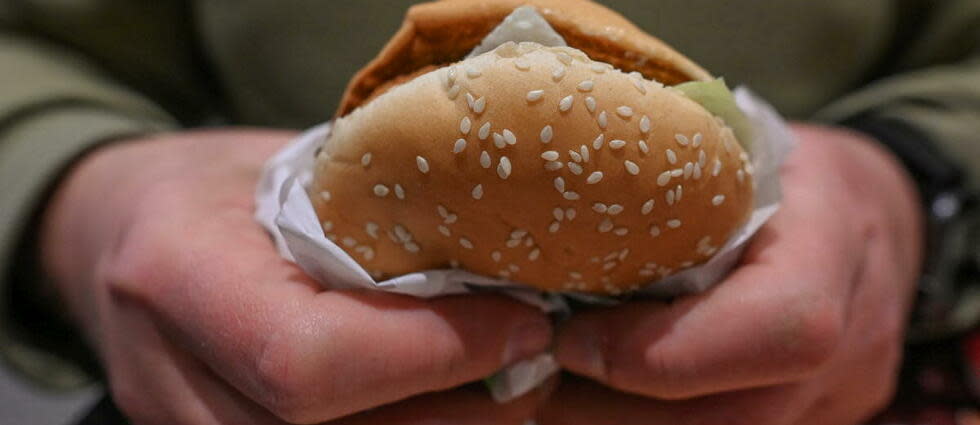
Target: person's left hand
x,y
808,329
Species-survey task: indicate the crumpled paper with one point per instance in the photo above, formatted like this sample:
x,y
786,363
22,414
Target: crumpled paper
x,y
285,210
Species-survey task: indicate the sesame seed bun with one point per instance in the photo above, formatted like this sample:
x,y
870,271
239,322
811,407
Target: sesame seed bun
x,y
439,33
537,164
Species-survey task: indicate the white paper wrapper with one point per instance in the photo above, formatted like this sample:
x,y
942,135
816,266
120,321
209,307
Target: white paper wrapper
x,y
285,210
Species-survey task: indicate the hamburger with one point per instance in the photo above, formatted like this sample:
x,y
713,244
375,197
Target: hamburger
x,y
599,166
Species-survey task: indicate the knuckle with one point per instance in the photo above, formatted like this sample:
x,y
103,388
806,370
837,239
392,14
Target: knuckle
x,y
284,389
814,336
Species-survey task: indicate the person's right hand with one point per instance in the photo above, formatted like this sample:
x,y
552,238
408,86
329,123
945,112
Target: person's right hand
x,y
197,320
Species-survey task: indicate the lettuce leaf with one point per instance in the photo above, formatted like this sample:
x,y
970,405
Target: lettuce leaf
x,y
718,99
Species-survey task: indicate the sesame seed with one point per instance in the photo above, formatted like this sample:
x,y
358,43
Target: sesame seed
x,y
399,191
606,225
513,243
680,192
571,196
534,95
702,158
602,120
611,256
367,252
615,209
631,167
585,153
381,190
697,172
473,72
617,144
503,168
740,175
366,159
646,273
743,156
598,67
443,212
422,164
498,141
485,159
639,86
484,131
466,243
558,73
597,143
643,146
560,184
624,111
654,230
546,134
553,228
645,124
570,214
450,76
647,207
688,170
687,264
565,58
349,241
673,223
621,231
411,247
586,85
478,192
663,178
509,137
454,91
671,156
575,156
325,195
459,146
600,208
681,139
444,230
327,226
464,125
697,140
717,168
454,263
566,103
590,103
670,197
575,275
549,155
451,218
470,99
553,165
677,172
534,254
518,234
479,105
522,64
575,168
594,178
609,266
513,268
558,213
495,256
717,200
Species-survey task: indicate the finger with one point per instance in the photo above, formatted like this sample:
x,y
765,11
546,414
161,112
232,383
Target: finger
x,y
582,402
775,319
154,382
308,355
469,405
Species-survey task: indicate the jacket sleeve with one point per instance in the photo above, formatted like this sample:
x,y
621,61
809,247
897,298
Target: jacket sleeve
x,y
56,105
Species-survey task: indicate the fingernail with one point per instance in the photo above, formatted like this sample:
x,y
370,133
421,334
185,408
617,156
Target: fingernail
x,y
583,352
529,340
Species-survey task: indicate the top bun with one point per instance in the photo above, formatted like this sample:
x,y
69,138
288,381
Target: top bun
x,y
440,33
537,164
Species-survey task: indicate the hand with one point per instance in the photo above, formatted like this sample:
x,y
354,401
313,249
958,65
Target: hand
x,y
197,320
808,329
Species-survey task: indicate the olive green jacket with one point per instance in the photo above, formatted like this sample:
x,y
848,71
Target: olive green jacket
x,y
77,73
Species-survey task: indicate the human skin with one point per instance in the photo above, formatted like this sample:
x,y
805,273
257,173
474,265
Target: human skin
x,y
154,250
808,328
